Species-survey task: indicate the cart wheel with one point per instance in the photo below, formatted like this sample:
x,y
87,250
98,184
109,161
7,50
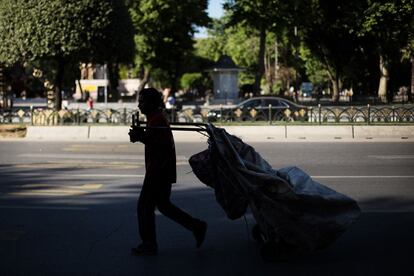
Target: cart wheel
x,y
272,251
269,251
257,233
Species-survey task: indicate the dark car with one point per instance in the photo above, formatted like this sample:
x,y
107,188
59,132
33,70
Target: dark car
x,y
261,109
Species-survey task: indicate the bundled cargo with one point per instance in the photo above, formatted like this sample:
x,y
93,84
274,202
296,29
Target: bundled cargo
x,y
294,214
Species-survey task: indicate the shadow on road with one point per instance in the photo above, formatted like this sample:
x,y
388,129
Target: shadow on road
x,y
96,238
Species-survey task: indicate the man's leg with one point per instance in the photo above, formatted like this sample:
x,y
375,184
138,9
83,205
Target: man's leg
x,y
146,221
171,211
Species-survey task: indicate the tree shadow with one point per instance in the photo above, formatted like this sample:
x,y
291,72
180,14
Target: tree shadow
x,y
379,242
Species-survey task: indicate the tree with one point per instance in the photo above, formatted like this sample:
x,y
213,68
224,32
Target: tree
x,y
116,46
262,15
409,54
387,23
58,31
325,30
241,43
194,82
213,47
164,34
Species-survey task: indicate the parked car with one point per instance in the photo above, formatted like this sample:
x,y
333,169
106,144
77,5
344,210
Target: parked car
x,y
261,109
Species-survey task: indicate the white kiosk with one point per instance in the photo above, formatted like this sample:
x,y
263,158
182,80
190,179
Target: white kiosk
x,y
225,81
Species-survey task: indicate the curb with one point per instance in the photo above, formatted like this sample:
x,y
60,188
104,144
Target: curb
x,y
247,133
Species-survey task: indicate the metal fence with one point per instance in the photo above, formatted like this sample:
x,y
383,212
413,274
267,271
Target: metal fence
x,y
311,115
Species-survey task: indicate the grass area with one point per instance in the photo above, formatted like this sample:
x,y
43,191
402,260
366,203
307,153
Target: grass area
x,y
12,131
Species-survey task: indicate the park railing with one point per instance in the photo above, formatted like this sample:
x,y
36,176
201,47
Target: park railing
x,y
309,115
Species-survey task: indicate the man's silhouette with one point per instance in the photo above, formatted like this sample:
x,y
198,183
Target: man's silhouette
x,y
160,166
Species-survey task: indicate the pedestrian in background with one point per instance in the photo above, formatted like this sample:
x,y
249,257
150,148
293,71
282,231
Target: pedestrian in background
x,y
89,103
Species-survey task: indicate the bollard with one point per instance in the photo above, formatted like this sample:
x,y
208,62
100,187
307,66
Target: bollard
x,y
21,120
320,114
352,114
31,115
369,114
221,113
393,119
270,114
172,113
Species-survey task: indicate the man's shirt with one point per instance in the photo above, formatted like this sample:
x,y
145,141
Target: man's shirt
x,y
160,158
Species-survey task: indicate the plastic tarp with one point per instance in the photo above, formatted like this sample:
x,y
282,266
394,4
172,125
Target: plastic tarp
x,y
288,205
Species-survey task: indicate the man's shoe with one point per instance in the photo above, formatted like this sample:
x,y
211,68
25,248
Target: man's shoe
x,y
144,250
199,233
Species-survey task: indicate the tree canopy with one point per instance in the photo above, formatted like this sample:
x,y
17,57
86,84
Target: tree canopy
x,y
349,44
164,34
352,44
263,16
61,31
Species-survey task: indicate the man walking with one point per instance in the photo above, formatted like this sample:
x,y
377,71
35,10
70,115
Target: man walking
x,y
160,173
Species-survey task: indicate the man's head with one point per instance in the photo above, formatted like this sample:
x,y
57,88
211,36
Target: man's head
x,y
150,100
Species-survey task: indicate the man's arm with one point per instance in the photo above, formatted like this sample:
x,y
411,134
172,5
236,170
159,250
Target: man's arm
x,y
137,134
152,136
148,136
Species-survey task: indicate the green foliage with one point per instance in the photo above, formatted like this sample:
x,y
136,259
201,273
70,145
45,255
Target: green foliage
x,y
232,41
63,33
190,80
38,29
116,42
263,16
212,47
272,14
315,70
389,23
164,30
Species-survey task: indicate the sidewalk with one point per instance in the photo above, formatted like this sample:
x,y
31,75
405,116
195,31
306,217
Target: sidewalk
x,y
247,133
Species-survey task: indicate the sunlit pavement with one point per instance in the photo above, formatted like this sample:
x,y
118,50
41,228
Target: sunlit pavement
x,y
68,208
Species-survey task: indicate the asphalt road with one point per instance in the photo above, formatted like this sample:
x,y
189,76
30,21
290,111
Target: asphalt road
x,y
68,208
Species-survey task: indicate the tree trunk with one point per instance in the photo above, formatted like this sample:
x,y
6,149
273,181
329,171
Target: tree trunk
x,y
383,84
276,62
411,91
58,83
173,76
268,73
260,69
335,90
333,77
3,93
144,81
176,74
113,76
80,87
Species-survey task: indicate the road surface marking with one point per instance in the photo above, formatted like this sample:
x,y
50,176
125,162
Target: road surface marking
x,y
71,164
101,148
51,190
91,156
43,207
57,175
392,156
11,234
387,210
360,176
66,164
